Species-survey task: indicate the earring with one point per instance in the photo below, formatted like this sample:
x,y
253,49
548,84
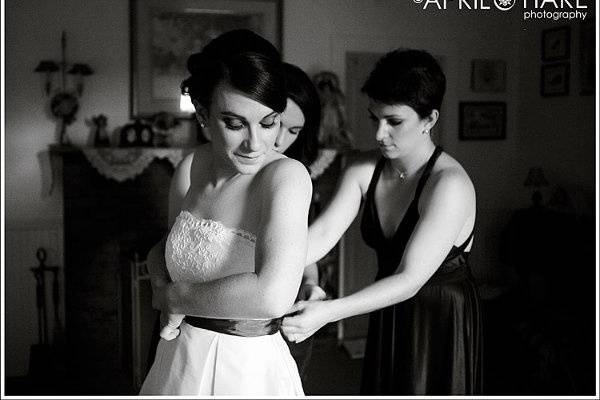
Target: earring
x,y
426,132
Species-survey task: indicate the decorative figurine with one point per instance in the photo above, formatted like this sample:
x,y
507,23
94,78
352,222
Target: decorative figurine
x,y
100,135
162,123
137,134
332,132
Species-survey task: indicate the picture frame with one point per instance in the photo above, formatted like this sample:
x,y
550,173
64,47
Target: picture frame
x,y
587,66
555,80
556,43
164,33
482,120
488,75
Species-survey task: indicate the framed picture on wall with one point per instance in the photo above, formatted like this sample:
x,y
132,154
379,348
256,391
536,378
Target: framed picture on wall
x,y
482,120
556,43
488,75
555,80
164,33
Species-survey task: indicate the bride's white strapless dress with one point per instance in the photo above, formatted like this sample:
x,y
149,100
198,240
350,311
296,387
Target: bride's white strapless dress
x,y
204,362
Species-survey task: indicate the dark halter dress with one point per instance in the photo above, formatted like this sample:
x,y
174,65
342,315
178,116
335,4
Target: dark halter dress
x,y
429,344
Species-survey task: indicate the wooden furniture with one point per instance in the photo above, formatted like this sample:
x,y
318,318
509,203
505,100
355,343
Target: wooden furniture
x,y
143,320
106,221
539,336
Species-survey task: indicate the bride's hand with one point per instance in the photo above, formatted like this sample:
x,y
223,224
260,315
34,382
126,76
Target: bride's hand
x,y
170,325
304,319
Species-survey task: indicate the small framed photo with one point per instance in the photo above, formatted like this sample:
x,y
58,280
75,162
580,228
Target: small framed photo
x,y
482,120
555,80
556,43
488,76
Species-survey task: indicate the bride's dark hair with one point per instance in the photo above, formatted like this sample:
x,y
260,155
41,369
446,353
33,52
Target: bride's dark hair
x,y
244,60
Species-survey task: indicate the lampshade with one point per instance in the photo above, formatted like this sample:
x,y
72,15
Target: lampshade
x,y
185,104
535,178
81,69
46,66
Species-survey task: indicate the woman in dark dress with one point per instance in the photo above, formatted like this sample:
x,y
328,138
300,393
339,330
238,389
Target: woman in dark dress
x,y
419,214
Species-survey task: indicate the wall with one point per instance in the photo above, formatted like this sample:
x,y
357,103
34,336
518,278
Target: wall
x,y
317,33
557,133
97,34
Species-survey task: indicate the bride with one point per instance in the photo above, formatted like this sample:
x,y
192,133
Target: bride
x,y
236,250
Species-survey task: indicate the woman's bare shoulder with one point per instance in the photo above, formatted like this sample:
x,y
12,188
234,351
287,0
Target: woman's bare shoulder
x,y
449,176
359,167
284,170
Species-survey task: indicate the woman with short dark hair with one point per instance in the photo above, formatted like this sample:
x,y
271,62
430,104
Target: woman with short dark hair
x,y
419,215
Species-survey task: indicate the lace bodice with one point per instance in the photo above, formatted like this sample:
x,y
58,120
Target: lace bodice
x,y
199,250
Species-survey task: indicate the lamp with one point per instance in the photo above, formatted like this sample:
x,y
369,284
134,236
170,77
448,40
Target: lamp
x,y
185,104
536,179
80,70
64,103
49,67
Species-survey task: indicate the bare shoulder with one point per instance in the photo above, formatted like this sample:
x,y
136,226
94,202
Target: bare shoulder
x,y
282,173
186,164
449,178
285,170
360,166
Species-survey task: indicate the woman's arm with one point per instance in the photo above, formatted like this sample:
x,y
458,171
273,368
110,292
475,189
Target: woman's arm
x,y
309,288
280,256
341,210
443,214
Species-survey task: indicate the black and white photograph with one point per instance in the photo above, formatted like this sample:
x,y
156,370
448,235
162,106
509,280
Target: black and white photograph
x,y
299,199
488,76
482,120
556,43
555,79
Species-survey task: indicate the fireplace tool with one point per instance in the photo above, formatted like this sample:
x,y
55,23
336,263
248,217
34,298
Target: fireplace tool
x,y
40,362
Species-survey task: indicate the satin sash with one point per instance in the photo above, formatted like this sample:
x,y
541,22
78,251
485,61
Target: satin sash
x,y
237,327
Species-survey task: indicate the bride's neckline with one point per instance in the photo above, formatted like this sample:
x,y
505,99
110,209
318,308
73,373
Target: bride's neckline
x,y
212,222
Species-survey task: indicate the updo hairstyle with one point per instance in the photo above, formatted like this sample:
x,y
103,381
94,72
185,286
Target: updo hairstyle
x,y
242,59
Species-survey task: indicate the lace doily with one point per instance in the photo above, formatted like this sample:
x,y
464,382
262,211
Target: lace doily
x,y
127,163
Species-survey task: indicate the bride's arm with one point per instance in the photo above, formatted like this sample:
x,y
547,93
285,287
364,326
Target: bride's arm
x,y
155,261
280,256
